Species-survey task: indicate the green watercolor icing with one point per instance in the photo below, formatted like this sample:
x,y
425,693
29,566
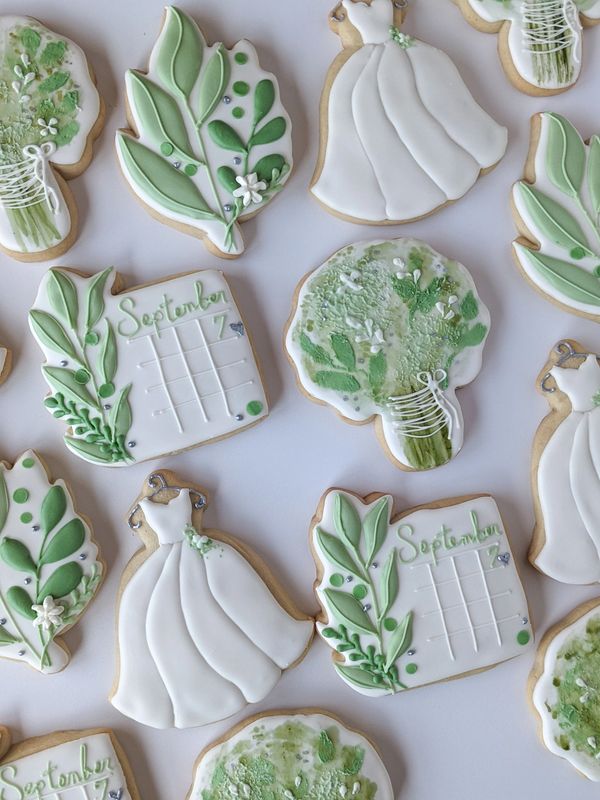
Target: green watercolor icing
x,y
20,495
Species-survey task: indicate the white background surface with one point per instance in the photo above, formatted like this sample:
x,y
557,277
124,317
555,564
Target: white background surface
x,y
473,739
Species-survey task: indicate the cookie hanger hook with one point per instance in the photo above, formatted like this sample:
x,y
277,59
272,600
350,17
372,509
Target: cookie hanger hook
x,y
565,351
159,484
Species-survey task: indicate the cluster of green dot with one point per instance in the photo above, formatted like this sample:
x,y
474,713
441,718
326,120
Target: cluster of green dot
x,y
21,495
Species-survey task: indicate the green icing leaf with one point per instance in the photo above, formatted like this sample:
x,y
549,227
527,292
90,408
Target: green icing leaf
x,y
31,40
552,219
54,82
94,301
159,114
264,167
389,584
62,582
565,155
120,414
224,136
53,54
338,381
70,102
63,380
51,333
357,676
399,640
108,355
343,350
315,351
353,760
173,189
271,132
213,83
4,500
54,506
179,53
17,555
227,179
469,307
21,602
63,296
349,610
375,527
326,748
67,134
335,550
593,174
89,450
6,637
573,281
346,520
264,97
377,371
471,337
65,543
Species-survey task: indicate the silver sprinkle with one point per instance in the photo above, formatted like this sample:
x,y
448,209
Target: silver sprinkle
x,y
367,607
27,581
36,528
177,164
357,408
524,620
345,397
64,363
239,417
82,556
227,99
227,207
21,653
410,652
375,564
349,579
3,621
106,406
237,160
131,444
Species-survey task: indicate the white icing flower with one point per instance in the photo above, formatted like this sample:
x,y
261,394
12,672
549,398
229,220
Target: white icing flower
x,y
400,263
581,683
48,613
349,282
28,78
18,70
48,128
198,540
356,787
372,335
16,86
250,189
26,61
592,741
446,310
343,791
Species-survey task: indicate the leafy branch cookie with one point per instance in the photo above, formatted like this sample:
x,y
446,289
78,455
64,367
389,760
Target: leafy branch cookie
x,y
152,370
50,569
304,753
203,627
50,114
557,211
430,594
388,330
89,763
540,42
210,141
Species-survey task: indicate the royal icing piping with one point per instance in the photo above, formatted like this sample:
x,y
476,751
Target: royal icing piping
x,y
545,37
566,694
49,567
392,328
47,111
293,756
404,135
200,634
561,212
433,595
86,767
150,371
214,141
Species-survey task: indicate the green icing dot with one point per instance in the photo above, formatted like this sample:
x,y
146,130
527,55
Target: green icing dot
x,y
254,408
82,376
238,112
241,58
336,579
241,88
523,637
360,592
106,390
577,252
28,463
26,517
411,668
20,495
190,169
166,148
92,338
390,624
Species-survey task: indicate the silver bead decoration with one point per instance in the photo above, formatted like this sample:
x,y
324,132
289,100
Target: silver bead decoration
x,y
3,621
35,528
107,406
367,607
21,653
82,556
524,621
227,99
349,579
228,207
27,581
131,443
410,652
64,363
177,164
375,564
239,417
237,160
357,408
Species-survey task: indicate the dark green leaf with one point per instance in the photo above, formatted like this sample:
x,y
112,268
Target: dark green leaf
x,y
53,508
343,350
265,166
48,330
67,541
353,760
63,380
315,351
271,132
357,676
227,179
335,550
6,637
108,355
346,520
63,296
377,371
405,288
552,220
469,307
213,83
21,602
17,555
31,40
53,54
349,610
88,450
575,282
375,527
471,337
338,381
4,500
62,582
565,155
326,748
224,136
120,414
389,584
593,174
56,81
94,302
399,640
178,53
264,97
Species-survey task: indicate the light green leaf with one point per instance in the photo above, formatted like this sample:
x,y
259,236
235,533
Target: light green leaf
x,y
357,676
21,602
53,54
343,350
88,450
48,330
264,97
377,371
473,336
335,550
54,506
315,351
349,610
552,219
63,380
31,40
565,155
572,281
389,584
62,582
63,296
4,500
94,301
54,82
326,748
264,167
224,136
120,414
399,640
6,637
469,307
17,555
67,133
227,179
593,174
271,132
65,543
108,355
375,527
338,381
213,83
179,54
346,520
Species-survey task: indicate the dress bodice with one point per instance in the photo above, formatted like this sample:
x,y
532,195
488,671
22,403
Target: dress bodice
x,y
169,520
372,21
580,385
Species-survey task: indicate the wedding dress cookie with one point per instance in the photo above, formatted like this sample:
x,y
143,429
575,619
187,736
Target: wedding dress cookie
x,y
152,370
210,141
50,114
203,627
557,210
540,42
50,569
401,135
430,594
565,689
389,330
88,764
566,452
306,753
5,363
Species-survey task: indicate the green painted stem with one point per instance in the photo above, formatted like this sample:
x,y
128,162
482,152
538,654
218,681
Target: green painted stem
x,y
213,186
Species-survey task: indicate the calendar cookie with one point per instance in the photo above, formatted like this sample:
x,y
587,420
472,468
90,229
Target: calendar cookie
x,y
50,114
564,689
89,763
50,569
291,754
5,363
388,331
540,42
423,596
203,626
152,370
557,210
401,135
209,142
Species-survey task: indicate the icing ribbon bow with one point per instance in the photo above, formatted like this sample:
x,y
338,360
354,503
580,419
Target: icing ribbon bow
x,y
432,381
39,155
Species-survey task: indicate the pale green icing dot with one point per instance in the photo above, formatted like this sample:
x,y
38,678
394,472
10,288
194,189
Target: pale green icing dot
x,y
20,495
241,88
190,169
238,112
360,592
523,637
26,517
28,463
336,579
390,624
411,668
166,148
241,58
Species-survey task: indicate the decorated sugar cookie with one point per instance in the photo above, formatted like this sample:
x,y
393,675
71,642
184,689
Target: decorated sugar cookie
x,y
306,753
540,42
565,690
50,569
566,540
152,370
423,596
388,330
401,135
210,141
557,210
87,764
203,627
5,363
50,114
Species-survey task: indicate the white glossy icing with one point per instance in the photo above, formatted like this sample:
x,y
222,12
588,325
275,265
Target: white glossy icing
x,y
200,635
404,134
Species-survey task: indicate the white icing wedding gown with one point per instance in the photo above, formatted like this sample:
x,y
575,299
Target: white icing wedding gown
x,y
569,481
200,634
404,133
